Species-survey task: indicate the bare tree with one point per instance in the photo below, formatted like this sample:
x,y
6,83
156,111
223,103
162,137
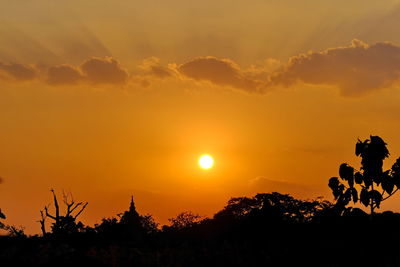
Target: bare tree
x,y
62,223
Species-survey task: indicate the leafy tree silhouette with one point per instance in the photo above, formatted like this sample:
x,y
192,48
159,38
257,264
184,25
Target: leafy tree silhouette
x,y
272,208
185,219
374,184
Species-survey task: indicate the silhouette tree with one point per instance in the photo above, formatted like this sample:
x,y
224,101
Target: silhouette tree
x,y
2,216
370,185
272,207
63,224
149,225
185,219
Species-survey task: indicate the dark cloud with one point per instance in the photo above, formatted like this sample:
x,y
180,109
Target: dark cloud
x,y
104,71
220,72
63,75
17,72
356,69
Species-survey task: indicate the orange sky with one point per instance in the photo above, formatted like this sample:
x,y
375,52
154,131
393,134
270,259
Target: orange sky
x,y
108,99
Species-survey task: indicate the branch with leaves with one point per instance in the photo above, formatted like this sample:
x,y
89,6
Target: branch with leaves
x,y
370,185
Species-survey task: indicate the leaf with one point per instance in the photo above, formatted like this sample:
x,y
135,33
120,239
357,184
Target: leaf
x,y
341,188
395,171
367,181
359,147
364,197
338,192
333,183
358,177
346,172
355,195
387,182
376,196
347,196
377,178
396,167
340,200
378,146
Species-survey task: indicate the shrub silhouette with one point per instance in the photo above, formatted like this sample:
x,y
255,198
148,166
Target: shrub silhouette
x,y
373,183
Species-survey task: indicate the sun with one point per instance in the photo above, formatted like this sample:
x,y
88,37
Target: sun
x,y
206,162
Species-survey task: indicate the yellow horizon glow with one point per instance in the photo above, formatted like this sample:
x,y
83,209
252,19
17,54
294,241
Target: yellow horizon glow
x,y
206,162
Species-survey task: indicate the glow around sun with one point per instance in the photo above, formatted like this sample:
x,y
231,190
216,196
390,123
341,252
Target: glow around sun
x,y
206,162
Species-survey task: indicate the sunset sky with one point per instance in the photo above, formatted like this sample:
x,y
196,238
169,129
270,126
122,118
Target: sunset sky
x,y
108,99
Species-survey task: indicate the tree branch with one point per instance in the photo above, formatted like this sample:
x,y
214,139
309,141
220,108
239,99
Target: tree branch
x,y
77,205
48,214
43,222
56,205
83,207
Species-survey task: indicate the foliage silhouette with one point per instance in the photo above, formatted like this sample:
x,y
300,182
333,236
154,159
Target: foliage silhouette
x,y
274,206
185,219
372,181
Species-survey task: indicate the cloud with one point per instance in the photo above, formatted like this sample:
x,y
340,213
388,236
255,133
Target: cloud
x,y
63,75
104,71
223,72
17,72
152,66
356,69
96,70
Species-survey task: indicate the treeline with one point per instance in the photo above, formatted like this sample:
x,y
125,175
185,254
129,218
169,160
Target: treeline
x,y
270,228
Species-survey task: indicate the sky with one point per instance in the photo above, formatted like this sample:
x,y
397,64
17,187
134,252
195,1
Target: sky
x,y
108,99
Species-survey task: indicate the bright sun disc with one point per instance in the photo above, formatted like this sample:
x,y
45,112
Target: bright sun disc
x,y
206,162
